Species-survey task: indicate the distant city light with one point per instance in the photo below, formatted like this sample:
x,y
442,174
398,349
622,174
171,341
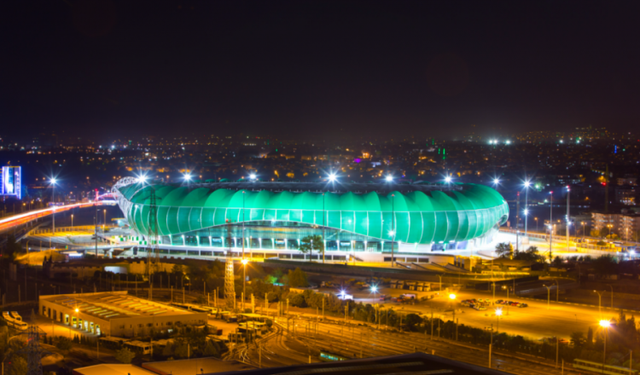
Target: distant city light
x,y
53,180
496,181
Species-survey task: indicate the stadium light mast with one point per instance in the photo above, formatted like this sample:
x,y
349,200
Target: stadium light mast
x,y
527,184
52,182
568,215
332,179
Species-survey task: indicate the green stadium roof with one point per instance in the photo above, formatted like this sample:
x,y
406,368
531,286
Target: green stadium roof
x,y
434,216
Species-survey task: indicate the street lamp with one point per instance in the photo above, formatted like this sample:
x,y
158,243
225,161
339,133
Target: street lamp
x,y
452,297
332,177
605,324
447,179
71,221
599,302
507,289
252,176
548,296
536,219
583,223
610,226
187,177
498,315
389,178
52,182
104,219
244,279
527,183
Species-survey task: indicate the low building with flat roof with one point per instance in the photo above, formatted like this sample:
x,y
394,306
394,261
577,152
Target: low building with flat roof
x,y
116,314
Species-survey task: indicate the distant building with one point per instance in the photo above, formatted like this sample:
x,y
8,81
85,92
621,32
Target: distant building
x,y
625,225
626,195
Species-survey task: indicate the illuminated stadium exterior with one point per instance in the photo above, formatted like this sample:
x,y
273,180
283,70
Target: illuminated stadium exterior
x,y
356,219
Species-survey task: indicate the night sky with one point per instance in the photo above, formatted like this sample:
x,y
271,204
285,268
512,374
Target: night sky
x,y
380,68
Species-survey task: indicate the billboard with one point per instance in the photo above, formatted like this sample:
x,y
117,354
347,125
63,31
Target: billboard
x,y
11,181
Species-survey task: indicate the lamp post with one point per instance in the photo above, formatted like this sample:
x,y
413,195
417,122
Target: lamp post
x,y
536,219
548,296
568,215
527,183
599,302
550,223
393,228
244,279
71,221
52,180
611,286
498,315
583,223
507,289
452,297
104,218
605,326
610,226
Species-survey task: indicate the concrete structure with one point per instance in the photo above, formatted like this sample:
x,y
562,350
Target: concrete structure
x,y
116,314
356,220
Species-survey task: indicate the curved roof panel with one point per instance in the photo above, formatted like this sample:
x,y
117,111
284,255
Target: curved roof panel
x,y
417,216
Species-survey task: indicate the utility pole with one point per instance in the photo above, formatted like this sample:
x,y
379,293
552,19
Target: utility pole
x,y
517,221
568,215
550,225
393,227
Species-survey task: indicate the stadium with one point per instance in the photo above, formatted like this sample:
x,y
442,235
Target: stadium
x,y
356,220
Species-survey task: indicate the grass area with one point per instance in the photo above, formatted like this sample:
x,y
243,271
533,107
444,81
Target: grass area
x,y
36,258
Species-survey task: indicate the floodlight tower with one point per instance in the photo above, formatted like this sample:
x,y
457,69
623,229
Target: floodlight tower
x,y
527,184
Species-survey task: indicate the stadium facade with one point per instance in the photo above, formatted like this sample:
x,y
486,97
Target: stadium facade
x,y
357,220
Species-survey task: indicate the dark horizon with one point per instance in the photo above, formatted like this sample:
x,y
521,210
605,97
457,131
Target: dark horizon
x,y
297,69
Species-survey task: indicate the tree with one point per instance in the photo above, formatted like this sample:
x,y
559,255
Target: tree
x,y
504,250
297,300
594,233
19,366
310,243
298,278
577,339
64,344
605,265
125,355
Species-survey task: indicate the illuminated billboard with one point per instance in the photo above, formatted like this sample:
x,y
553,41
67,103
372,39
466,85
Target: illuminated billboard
x,y
12,181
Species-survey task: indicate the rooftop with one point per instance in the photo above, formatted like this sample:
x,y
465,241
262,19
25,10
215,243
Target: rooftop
x,y
195,366
113,305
